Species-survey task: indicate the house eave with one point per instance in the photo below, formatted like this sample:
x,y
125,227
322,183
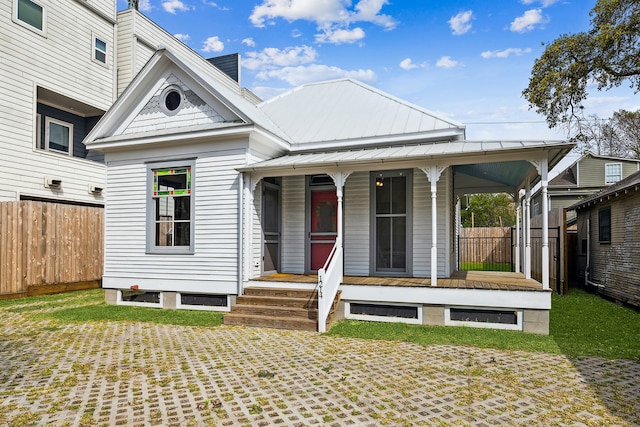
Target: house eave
x,y
445,158
133,141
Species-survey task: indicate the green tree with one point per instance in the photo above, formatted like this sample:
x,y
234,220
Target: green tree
x,y
607,55
489,210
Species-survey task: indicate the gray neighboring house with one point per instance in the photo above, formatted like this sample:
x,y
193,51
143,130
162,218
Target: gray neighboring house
x,y
608,252
586,176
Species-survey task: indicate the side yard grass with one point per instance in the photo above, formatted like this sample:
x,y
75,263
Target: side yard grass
x,y
89,306
582,324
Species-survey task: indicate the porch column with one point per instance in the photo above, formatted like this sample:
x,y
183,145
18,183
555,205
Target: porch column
x,y
517,248
523,234
433,174
527,253
544,181
339,179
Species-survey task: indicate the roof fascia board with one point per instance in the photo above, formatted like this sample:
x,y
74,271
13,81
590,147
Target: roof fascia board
x,y
448,159
138,140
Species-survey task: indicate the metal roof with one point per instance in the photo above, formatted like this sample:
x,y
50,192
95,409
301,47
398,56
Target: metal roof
x,y
427,151
343,110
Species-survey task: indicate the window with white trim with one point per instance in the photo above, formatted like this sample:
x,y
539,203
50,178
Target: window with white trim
x,y
612,173
99,50
58,136
30,14
170,217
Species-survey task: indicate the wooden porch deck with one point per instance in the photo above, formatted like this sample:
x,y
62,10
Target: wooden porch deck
x,y
492,280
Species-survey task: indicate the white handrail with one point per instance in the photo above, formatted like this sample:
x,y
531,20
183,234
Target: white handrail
x,y
329,280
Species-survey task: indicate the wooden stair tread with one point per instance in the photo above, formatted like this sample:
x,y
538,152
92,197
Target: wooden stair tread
x,y
278,308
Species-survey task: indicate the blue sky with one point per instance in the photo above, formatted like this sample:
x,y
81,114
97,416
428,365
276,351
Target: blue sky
x,y
466,59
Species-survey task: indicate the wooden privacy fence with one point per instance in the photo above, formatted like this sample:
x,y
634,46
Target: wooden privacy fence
x,y
49,247
485,248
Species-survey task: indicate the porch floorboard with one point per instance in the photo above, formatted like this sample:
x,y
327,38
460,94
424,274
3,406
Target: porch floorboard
x,y
491,280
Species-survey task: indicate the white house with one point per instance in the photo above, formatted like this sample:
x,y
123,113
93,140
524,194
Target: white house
x,y
215,197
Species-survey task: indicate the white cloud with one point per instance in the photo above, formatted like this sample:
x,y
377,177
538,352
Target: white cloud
x,y
172,6
447,62
505,53
332,17
340,36
299,75
182,37
249,42
461,23
407,64
144,5
212,44
543,3
369,11
528,21
215,5
273,57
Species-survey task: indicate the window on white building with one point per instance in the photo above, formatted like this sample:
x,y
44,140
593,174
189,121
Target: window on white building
x,y
99,50
612,173
30,14
58,136
170,209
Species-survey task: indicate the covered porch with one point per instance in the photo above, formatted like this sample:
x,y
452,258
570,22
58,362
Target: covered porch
x,y
487,280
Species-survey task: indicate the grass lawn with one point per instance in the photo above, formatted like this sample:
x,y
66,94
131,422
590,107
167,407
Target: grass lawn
x,y
89,306
485,266
582,324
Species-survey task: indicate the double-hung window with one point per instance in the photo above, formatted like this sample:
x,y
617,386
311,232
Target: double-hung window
x,y
170,216
30,14
604,225
99,50
612,173
58,136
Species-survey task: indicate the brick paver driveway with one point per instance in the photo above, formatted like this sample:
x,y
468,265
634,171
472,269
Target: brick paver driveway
x,y
144,374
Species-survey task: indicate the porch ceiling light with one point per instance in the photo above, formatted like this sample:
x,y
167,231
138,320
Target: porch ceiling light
x,y
379,182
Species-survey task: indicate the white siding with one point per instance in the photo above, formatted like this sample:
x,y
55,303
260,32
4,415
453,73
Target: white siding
x,y
214,265
61,62
293,226
356,225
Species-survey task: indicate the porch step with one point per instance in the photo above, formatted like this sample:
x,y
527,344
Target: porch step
x,y
270,322
278,308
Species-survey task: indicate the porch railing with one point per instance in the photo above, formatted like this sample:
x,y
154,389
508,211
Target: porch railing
x,y
329,279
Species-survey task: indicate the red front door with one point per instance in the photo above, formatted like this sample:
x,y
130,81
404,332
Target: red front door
x,y
323,227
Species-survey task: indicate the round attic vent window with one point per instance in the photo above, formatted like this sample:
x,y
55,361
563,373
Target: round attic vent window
x,y
172,100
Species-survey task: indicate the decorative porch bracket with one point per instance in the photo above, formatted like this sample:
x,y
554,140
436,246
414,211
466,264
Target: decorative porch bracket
x,y
433,175
542,167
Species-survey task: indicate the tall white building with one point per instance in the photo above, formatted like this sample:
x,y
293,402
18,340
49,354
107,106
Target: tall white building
x,y
62,65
